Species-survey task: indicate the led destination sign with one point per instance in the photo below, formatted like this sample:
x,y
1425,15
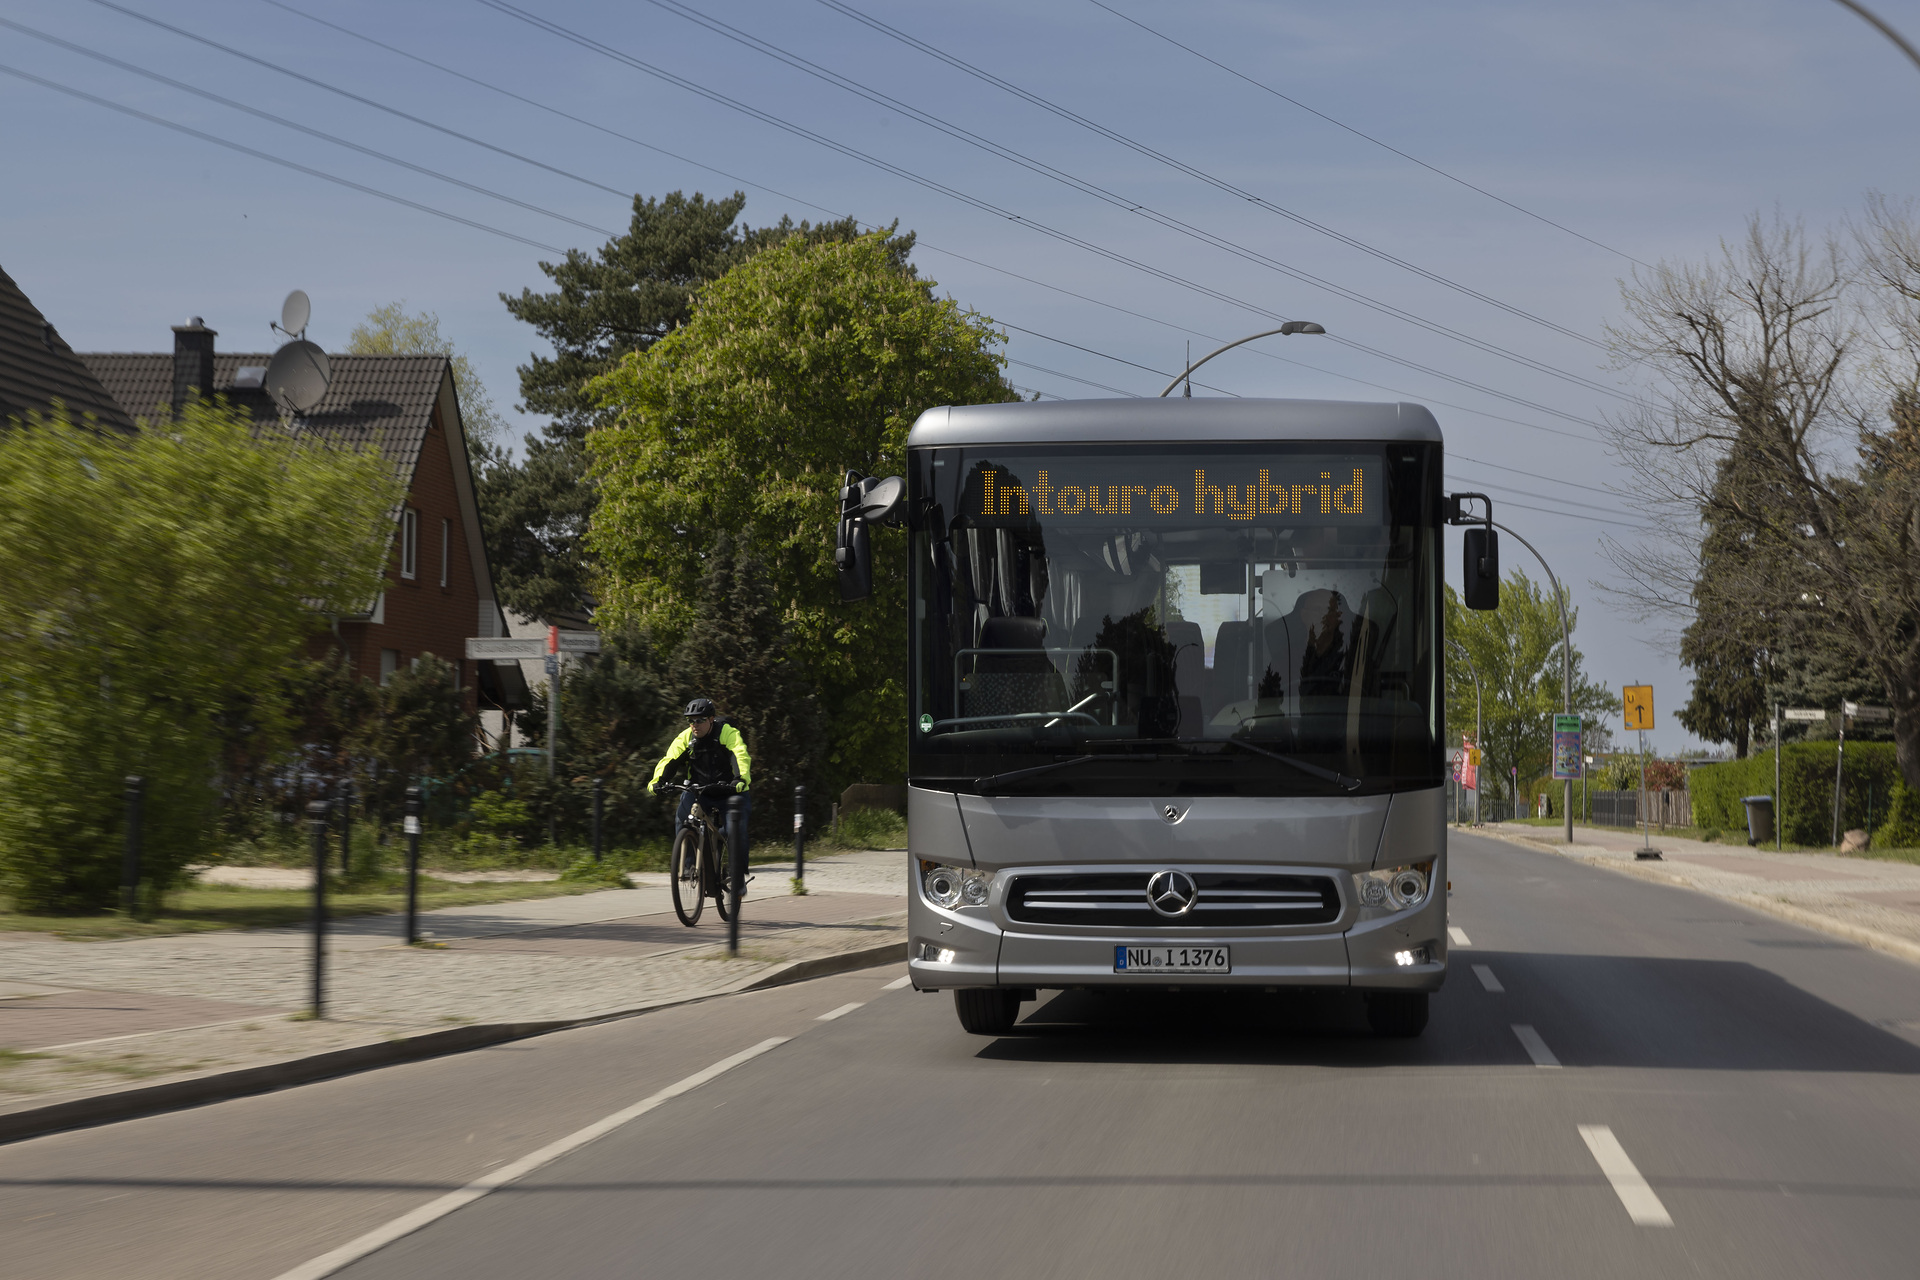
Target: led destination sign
x,y
1194,490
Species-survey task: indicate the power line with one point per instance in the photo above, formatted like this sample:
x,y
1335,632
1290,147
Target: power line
x,y
1530,493
1265,88
1532,475
1128,204
273,159
368,102
975,202
295,125
1158,373
1173,162
553,110
1131,395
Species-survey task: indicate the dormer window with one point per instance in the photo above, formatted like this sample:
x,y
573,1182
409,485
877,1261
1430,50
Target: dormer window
x,y
410,543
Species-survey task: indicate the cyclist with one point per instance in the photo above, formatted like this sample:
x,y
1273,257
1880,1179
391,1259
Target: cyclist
x,y
716,756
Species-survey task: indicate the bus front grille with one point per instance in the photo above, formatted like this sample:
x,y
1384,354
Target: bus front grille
x,y
1224,899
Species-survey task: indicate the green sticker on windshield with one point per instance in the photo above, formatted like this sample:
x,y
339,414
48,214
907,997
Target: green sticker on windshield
x,y
926,724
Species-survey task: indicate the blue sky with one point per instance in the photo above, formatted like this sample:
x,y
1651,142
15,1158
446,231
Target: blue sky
x,y
1653,129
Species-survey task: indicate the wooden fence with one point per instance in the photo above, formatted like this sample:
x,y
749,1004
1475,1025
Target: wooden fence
x,y
1622,809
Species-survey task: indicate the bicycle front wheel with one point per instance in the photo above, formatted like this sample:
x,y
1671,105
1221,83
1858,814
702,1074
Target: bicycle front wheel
x,y
717,861
689,887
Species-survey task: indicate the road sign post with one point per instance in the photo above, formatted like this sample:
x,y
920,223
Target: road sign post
x,y
799,840
136,799
317,811
412,823
1637,699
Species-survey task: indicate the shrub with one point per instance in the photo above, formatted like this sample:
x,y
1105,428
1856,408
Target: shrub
x,y
1901,828
1806,784
587,871
873,829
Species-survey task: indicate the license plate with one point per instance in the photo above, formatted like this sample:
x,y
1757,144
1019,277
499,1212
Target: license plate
x,y
1171,960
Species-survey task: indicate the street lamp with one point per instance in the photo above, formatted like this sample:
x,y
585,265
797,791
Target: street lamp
x,y
1290,328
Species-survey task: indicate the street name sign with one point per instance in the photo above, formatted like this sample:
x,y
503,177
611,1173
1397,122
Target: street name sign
x,y
579,642
503,647
1804,713
1639,704
1867,714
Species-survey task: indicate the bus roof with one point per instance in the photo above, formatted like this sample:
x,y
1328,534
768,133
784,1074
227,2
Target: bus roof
x,y
1173,420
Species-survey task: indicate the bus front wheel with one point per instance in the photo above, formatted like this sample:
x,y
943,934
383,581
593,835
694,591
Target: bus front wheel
x,y
1397,1013
987,1011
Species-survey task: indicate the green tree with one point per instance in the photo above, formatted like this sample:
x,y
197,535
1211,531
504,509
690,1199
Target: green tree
x,y
151,585
1516,651
739,652
807,359
390,331
421,728
634,291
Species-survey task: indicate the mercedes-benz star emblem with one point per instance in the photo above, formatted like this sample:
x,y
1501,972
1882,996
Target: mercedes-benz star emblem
x,y
1171,893
1171,812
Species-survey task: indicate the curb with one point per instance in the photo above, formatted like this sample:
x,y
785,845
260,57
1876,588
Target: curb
x,y
125,1104
1872,939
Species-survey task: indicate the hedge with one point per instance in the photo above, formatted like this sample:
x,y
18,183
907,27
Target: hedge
x,y
1806,783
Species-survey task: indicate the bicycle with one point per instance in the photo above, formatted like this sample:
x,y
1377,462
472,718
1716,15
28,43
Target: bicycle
x,y
699,861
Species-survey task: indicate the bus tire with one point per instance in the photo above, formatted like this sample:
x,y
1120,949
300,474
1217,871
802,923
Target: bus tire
x,y
986,1011
1397,1013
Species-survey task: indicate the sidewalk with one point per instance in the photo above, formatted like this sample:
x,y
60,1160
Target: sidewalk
x,y
1864,900
84,1019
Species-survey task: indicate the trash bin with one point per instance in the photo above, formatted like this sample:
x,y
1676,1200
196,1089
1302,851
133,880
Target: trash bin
x,y
1759,818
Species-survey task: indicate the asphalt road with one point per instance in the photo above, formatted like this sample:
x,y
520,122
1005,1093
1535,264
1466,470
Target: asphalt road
x,y
1749,1095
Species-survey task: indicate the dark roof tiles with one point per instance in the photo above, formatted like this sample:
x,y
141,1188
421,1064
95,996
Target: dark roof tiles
x,y
37,366
386,401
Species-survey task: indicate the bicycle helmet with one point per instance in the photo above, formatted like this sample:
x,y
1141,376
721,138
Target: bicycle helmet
x,y
700,708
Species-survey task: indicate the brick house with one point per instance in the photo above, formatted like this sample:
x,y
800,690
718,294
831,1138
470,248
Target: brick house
x,y
439,585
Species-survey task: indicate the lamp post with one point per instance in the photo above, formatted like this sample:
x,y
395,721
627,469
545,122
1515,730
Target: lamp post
x,y
1290,328
1566,656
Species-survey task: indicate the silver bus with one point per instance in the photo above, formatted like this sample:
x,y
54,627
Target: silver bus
x,y
1175,707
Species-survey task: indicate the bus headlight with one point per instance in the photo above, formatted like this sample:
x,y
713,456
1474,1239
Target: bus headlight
x,y
1395,889
941,883
974,888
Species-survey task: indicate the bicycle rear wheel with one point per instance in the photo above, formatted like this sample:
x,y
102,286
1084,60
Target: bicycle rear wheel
x,y
689,882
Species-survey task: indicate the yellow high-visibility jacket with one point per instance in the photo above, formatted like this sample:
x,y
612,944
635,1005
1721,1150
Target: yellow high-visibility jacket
x,y
707,757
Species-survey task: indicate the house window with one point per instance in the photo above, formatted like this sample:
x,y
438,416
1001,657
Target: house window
x,y
446,549
389,663
409,543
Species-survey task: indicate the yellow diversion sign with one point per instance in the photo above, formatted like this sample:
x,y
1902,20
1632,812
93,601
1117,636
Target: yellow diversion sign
x,y
1639,702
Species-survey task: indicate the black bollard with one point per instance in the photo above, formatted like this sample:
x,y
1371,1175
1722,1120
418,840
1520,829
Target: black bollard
x,y
599,801
346,828
413,859
317,811
136,797
736,870
799,840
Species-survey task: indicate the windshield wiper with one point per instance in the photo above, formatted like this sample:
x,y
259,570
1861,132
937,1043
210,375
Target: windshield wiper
x,y
995,781
1311,770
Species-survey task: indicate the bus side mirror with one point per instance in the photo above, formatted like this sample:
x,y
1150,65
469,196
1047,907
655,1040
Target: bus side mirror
x,y
1480,569
853,555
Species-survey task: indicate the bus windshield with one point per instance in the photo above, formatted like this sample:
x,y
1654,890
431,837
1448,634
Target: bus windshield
x,y
1214,619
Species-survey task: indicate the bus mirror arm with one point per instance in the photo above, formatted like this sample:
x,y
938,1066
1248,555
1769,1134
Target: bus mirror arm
x,y
1480,568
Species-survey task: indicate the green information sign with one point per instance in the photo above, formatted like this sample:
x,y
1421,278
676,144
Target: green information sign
x,y
1566,748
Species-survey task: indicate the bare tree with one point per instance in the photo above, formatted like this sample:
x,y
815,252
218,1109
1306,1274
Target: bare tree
x,y
1777,496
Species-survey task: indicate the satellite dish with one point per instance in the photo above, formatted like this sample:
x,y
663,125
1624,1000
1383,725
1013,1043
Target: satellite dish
x,y
881,499
298,374
294,313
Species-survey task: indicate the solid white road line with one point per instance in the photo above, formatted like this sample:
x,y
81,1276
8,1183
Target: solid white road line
x,y
1536,1047
841,1012
1643,1206
1459,936
898,982
1487,979
408,1223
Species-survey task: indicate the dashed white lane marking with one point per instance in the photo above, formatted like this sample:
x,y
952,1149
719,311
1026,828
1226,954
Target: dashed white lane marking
x,y
1536,1047
432,1211
1459,936
841,1012
898,982
1642,1205
1487,979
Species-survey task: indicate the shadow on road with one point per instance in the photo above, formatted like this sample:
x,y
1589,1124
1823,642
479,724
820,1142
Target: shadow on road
x,y
1593,1011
